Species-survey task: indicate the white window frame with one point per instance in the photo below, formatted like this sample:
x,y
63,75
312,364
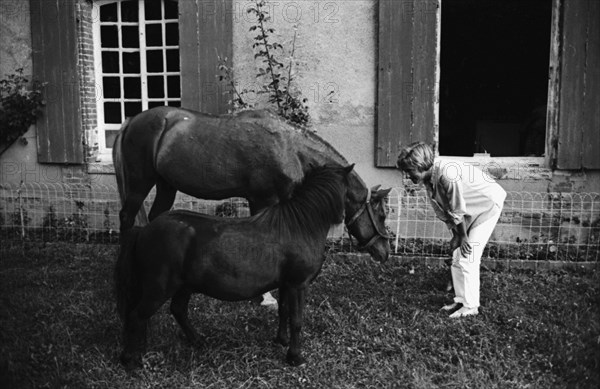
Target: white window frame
x,y
104,150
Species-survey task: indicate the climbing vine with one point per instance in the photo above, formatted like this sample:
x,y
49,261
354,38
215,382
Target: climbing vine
x,y
277,78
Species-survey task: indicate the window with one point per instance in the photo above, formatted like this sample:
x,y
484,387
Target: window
x,y
136,55
470,76
494,77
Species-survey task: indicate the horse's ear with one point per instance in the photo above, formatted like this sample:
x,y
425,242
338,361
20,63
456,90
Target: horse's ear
x,y
348,169
382,193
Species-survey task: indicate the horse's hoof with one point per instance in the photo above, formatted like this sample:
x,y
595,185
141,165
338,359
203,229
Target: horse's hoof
x,y
296,360
282,341
191,339
131,362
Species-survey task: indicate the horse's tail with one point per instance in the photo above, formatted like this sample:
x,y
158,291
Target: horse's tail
x,y
142,217
127,287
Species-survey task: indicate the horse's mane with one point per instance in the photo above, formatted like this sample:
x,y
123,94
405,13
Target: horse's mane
x,y
316,203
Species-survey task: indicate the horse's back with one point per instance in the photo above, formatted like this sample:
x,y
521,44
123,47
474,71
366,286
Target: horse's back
x,y
216,157
254,154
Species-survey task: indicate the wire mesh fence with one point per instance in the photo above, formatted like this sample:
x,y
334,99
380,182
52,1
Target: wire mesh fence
x,y
538,226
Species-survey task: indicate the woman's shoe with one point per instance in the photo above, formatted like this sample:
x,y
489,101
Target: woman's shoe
x,y
464,311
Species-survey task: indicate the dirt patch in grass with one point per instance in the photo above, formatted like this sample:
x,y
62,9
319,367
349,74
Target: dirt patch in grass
x,y
367,325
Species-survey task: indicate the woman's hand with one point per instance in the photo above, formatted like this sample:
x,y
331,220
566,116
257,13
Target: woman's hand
x,y
465,247
461,240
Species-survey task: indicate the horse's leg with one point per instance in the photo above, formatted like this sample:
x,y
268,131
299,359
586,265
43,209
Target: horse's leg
x,y
134,201
297,297
284,315
179,309
165,197
135,331
130,208
256,205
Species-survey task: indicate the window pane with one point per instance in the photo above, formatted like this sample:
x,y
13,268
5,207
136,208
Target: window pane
x,y
109,137
131,62
153,104
173,60
132,108
111,87
108,13
109,36
173,86
112,113
172,34
155,61
153,35
129,11
133,88
156,87
174,104
153,11
171,10
110,62
131,36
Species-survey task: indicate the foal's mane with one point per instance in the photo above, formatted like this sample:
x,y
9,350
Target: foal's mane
x,y
316,203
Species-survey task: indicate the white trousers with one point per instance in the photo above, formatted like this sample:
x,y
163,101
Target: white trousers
x,y
465,270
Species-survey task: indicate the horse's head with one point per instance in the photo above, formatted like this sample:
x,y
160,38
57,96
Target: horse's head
x,y
365,220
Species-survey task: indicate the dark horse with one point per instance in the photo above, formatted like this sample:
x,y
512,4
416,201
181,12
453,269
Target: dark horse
x,y
183,252
254,155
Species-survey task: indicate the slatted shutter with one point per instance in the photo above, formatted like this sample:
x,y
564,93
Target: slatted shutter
x,y
407,76
579,97
54,51
205,29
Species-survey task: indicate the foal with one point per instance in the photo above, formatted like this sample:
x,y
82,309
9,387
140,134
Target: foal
x,y
181,252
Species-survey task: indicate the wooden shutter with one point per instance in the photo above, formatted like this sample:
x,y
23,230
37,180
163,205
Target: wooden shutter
x,y
579,97
54,52
205,29
407,76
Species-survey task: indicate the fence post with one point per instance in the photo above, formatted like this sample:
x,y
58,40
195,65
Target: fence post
x,y
21,216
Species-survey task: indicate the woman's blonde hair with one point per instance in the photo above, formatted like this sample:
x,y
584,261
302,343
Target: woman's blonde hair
x,y
417,156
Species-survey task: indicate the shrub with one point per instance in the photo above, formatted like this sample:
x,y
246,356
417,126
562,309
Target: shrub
x,y
19,106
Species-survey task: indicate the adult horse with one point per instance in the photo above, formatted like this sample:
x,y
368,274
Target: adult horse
x,y
254,155
183,252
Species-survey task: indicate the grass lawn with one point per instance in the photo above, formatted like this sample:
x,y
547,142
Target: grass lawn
x,y
366,325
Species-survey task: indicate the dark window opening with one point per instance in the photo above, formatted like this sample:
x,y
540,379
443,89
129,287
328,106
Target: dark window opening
x,y
494,77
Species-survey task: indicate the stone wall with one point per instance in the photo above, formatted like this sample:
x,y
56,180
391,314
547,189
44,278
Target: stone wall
x,y
335,69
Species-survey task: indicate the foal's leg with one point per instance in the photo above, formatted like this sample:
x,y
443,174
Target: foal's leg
x,y
135,331
165,197
179,309
283,337
296,299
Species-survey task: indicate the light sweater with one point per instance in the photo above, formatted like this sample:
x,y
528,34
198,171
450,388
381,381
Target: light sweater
x,y
460,191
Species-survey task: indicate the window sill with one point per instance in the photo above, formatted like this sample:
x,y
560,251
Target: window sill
x,y
508,168
105,167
